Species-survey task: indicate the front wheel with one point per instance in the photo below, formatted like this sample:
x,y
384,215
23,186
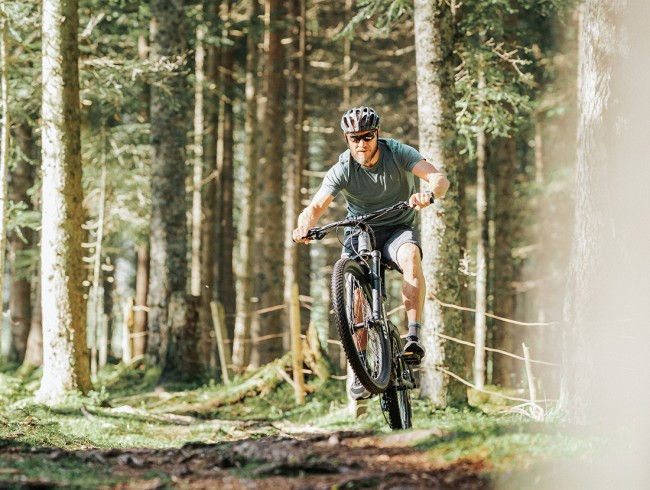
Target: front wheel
x,y
364,341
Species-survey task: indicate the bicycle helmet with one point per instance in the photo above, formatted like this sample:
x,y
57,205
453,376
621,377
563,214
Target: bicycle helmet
x,y
359,119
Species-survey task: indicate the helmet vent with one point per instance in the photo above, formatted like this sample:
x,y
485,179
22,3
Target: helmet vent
x,y
359,119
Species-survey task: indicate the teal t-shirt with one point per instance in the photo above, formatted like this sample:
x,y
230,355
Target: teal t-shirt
x,y
368,189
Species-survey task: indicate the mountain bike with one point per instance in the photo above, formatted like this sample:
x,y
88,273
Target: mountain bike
x,y
372,344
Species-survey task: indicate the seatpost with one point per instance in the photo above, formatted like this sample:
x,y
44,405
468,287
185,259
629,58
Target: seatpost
x,y
376,285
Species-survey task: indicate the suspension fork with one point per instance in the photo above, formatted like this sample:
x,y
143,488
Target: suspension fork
x,y
375,277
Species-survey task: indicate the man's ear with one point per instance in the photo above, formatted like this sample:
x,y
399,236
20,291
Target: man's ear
x,y
378,133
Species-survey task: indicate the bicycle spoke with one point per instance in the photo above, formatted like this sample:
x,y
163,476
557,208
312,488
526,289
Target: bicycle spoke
x,y
363,339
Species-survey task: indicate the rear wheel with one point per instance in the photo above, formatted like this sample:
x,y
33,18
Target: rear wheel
x,y
364,341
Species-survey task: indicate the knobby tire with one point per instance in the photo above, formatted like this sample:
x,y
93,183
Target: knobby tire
x,y
374,371
398,406
396,401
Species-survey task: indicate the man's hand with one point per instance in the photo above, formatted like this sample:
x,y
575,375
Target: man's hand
x,y
300,233
421,200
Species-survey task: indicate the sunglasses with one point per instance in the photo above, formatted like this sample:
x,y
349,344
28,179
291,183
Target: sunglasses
x,y
355,138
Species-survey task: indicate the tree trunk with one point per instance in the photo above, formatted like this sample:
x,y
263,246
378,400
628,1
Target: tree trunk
x,y
209,196
141,292
34,352
225,166
108,284
440,224
4,147
270,238
183,363
607,308
482,251
595,71
504,368
65,352
34,346
168,252
295,164
97,334
21,247
247,230
197,177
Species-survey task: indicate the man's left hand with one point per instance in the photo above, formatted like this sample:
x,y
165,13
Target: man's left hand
x,y
420,200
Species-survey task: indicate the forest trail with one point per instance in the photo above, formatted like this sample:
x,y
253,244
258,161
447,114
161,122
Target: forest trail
x,y
297,461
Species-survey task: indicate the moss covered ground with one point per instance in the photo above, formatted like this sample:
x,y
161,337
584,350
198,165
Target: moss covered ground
x,y
79,443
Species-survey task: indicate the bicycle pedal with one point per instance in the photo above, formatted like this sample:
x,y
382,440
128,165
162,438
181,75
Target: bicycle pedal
x,y
410,358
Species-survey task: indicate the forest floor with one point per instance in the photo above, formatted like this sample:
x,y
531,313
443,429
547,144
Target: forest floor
x,y
133,434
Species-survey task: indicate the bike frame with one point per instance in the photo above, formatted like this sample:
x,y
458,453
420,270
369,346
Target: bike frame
x,y
375,267
395,397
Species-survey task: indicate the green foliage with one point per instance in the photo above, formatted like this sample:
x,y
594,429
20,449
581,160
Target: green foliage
x,y
496,72
19,216
23,46
388,12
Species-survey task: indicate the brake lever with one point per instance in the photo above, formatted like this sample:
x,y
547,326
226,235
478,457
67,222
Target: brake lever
x,y
315,234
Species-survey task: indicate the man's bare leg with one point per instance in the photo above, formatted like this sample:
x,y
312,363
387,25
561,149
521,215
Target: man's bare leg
x,y
413,286
413,294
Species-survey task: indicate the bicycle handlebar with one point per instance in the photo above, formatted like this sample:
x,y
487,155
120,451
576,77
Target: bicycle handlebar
x,y
319,233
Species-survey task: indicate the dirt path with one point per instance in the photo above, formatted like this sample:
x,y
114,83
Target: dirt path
x,y
324,461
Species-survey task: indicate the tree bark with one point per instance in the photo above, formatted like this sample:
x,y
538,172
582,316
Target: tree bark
x,y
296,163
505,369
270,237
197,176
183,363
595,72
210,194
607,308
34,352
482,253
65,352
4,145
168,251
225,166
141,291
434,26
21,246
247,243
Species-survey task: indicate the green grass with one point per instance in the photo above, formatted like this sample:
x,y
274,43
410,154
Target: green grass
x,y
127,410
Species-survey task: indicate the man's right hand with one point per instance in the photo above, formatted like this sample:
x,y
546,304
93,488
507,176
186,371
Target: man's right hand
x,y
309,216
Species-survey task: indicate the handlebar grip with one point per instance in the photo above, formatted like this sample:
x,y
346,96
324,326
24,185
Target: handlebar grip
x,y
313,234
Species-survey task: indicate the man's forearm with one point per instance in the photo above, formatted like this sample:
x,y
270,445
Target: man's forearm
x,y
438,183
307,218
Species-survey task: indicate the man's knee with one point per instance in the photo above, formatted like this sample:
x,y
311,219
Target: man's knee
x,y
408,257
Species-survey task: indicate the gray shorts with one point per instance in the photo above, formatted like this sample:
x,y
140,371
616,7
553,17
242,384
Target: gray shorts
x,y
389,240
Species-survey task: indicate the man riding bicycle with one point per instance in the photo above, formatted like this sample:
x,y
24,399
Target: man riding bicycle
x,y
374,173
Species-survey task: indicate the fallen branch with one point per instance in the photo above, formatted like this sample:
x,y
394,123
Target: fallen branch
x,y
261,382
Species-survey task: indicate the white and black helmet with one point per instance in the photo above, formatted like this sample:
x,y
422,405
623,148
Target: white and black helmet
x,y
359,119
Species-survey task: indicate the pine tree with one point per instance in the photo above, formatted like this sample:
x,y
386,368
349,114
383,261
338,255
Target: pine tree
x,y
65,355
440,239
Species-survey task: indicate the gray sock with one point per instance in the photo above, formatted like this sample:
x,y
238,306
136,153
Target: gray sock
x,y
414,329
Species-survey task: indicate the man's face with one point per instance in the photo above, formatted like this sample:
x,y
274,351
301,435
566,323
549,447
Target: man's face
x,y
363,145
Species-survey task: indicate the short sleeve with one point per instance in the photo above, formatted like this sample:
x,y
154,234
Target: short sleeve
x,y
334,180
407,156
